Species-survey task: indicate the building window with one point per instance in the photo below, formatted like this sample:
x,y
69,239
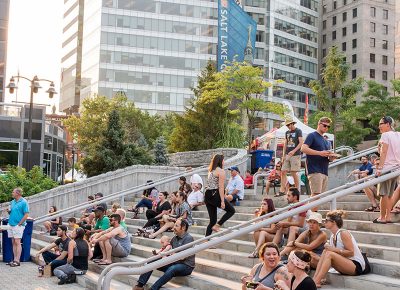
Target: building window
x,y
344,31
324,38
354,43
385,44
334,20
324,24
385,29
353,73
384,59
9,154
373,12
334,4
324,52
372,57
344,46
324,9
385,14
372,42
372,26
354,12
384,75
354,27
372,73
344,2
333,35
354,58
344,16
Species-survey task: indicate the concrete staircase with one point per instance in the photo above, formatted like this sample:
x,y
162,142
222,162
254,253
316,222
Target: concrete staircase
x,y
222,268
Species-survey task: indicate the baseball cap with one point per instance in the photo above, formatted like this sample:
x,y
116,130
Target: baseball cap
x,y
234,168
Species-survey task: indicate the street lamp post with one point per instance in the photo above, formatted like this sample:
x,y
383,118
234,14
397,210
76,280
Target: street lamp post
x,y
35,86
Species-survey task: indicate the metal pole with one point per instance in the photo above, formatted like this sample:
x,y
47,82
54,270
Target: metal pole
x,y
73,162
29,144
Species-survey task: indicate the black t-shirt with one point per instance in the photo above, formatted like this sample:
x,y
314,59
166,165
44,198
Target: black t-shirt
x,y
62,245
306,284
165,206
292,140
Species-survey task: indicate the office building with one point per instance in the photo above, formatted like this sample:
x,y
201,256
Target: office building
x,y
153,50
365,31
4,11
397,42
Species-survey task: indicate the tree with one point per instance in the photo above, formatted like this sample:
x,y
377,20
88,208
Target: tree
x,y
114,152
160,151
208,122
335,93
246,86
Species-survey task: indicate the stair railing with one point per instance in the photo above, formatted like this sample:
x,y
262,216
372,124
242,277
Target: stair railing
x,y
137,268
357,155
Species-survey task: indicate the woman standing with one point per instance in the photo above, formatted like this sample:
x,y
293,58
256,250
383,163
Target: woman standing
x,y
79,253
342,253
298,264
264,275
214,196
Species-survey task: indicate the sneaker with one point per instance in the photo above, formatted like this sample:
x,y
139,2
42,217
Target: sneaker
x,y
63,280
237,203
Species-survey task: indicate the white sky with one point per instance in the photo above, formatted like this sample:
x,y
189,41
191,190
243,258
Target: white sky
x,y
34,47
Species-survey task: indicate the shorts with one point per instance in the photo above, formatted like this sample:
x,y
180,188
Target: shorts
x,y
16,232
387,187
318,182
359,270
117,249
292,163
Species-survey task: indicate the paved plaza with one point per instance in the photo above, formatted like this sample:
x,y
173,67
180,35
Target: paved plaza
x,y
26,277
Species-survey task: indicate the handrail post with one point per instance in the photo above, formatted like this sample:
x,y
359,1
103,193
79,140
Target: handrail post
x,y
333,204
122,202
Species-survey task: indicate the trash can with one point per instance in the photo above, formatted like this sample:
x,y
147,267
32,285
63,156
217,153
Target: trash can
x,y
26,240
260,158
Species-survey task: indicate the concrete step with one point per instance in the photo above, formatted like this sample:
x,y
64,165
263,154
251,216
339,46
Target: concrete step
x,y
364,282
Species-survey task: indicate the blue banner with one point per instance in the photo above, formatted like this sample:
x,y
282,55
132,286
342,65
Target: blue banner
x,y
234,27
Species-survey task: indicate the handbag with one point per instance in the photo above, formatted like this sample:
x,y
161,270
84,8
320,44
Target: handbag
x,y
367,269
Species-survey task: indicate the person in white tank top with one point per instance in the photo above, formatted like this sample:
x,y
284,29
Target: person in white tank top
x,y
341,253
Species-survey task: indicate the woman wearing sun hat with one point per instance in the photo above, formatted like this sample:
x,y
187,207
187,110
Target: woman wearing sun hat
x,y
312,240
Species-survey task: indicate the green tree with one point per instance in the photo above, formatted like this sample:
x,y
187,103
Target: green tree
x,y
208,122
246,86
114,152
32,182
334,92
160,151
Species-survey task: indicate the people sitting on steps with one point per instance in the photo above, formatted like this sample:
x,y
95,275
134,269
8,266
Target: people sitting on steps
x,y
79,252
342,253
179,268
274,179
234,191
294,225
114,242
266,234
52,225
265,274
149,197
196,197
312,240
58,257
248,180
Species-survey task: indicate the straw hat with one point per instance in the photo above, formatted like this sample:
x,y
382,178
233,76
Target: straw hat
x,y
315,216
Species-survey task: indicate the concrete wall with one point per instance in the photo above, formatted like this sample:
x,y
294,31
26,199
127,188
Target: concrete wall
x,y
198,158
338,174
72,194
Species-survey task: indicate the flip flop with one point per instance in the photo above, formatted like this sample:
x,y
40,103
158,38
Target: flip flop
x,y
395,210
104,263
377,221
15,264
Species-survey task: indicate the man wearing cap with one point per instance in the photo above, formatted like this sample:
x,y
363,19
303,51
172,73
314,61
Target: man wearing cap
x,y
389,149
234,191
61,243
291,155
102,224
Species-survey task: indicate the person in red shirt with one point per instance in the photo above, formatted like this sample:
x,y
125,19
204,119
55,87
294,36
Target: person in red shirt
x,y
274,178
248,180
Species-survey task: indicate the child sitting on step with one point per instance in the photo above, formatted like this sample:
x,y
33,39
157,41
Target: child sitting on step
x,y
165,242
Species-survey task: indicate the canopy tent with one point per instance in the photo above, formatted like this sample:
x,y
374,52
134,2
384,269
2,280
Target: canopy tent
x,y
78,176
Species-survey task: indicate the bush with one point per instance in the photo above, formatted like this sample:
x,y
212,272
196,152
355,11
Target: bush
x,y
32,182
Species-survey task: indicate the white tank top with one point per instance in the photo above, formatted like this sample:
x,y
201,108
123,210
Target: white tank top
x,y
339,244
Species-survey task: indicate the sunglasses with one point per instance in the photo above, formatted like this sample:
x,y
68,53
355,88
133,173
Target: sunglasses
x,y
264,203
325,125
328,220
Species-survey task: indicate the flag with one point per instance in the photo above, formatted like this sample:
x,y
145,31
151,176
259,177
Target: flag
x,y
306,111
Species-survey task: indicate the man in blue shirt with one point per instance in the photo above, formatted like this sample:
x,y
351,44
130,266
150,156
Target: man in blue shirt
x,y
364,170
19,211
317,150
234,191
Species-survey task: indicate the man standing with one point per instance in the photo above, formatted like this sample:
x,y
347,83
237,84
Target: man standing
x,y
389,149
19,211
61,243
318,156
234,191
291,154
180,268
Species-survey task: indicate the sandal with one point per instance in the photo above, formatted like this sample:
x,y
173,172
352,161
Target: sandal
x,y
253,255
395,210
371,208
378,221
279,194
15,264
147,236
103,263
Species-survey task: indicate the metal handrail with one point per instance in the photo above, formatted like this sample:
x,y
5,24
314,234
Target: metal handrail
x,y
255,179
345,148
239,230
357,155
121,194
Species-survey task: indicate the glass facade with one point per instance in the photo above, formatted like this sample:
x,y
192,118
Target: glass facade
x,y
4,9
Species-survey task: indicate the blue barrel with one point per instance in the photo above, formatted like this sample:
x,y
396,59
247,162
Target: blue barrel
x,y
26,240
261,158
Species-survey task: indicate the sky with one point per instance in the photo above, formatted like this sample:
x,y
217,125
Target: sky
x,y
34,47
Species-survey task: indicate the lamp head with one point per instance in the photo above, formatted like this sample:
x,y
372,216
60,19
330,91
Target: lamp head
x,y
51,91
12,86
35,84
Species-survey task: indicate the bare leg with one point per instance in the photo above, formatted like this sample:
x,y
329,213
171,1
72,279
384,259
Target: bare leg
x,y
395,197
264,238
168,225
108,249
278,236
295,179
315,208
267,186
293,230
318,270
103,250
256,236
283,181
385,208
229,197
370,194
286,251
18,250
47,226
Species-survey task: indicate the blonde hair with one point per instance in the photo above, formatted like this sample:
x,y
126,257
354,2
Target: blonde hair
x,y
325,120
337,216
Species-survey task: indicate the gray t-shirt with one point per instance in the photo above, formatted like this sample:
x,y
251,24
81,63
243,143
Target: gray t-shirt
x,y
179,241
292,140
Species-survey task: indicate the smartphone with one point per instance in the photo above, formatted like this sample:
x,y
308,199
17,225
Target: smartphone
x,y
251,285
